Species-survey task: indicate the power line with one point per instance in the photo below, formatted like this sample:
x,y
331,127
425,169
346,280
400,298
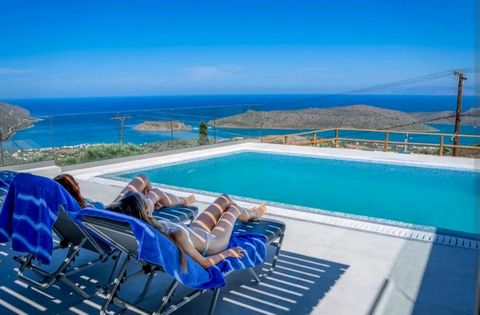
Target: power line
x,y
412,124
406,125
423,78
456,114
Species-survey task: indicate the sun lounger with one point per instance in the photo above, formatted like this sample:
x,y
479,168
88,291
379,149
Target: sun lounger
x,y
19,211
155,253
34,209
274,230
74,239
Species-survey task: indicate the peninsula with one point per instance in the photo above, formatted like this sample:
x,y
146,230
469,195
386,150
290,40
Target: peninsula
x,y
12,119
162,126
354,116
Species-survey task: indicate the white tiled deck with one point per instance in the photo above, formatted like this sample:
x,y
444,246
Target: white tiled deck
x,y
325,268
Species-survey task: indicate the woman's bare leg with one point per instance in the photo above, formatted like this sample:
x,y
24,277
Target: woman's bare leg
x,y
222,232
141,183
218,220
162,199
207,220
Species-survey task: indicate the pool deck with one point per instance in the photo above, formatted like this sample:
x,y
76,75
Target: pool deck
x,y
326,267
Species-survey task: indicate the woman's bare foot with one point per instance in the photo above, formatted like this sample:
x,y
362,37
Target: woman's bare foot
x,y
259,212
190,199
253,214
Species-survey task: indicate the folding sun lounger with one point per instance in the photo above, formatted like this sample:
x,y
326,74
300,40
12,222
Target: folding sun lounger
x,y
153,251
73,238
34,207
71,235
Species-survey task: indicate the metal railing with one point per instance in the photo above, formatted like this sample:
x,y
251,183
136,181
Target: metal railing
x,y
333,137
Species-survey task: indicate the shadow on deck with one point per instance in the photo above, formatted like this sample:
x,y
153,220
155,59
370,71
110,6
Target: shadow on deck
x,y
299,283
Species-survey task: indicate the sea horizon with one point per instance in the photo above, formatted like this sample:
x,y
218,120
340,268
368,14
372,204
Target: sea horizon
x,y
109,104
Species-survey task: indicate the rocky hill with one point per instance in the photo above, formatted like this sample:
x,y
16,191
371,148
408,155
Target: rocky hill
x,y
470,117
355,116
14,118
162,126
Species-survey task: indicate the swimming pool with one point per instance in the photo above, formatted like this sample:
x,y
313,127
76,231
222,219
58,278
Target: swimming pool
x,y
440,198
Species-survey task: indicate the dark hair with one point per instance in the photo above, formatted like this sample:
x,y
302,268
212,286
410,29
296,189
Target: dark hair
x,y
71,185
133,204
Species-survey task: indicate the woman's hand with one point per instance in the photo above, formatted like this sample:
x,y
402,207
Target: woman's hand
x,y
150,206
236,252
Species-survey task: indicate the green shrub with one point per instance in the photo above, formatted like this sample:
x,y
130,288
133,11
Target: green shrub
x,y
98,152
203,133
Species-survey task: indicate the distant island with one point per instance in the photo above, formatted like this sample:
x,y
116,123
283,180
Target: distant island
x,y
354,116
162,126
14,118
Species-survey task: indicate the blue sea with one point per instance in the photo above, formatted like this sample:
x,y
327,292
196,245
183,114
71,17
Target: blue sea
x,y
74,121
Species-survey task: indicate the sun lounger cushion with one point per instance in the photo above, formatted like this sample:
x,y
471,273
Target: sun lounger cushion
x,y
272,229
176,213
157,249
29,212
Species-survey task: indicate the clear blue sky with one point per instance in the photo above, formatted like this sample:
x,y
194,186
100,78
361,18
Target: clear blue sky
x,y
103,47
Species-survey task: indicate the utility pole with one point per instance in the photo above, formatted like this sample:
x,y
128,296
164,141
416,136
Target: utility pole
x,y
214,125
171,126
1,148
458,113
122,119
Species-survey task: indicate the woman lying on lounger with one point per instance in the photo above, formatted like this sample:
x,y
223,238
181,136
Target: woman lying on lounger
x,y
207,238
156,198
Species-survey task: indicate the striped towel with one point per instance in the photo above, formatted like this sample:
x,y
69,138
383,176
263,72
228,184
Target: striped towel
x,y
29,213
6,178
156,248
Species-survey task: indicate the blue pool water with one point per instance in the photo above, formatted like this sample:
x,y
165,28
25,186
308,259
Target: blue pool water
x,y
440,198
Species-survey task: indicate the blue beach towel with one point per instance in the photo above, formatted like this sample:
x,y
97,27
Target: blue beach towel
x,y
155,248
29,213
6,178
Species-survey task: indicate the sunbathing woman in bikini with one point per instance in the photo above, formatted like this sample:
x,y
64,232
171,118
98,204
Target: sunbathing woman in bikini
x,y
156,198
207,238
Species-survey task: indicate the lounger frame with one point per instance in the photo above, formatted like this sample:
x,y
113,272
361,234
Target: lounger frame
x,y
75,239
121,236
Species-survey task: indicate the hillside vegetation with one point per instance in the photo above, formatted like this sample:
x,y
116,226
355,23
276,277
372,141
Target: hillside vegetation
x,y
12,119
